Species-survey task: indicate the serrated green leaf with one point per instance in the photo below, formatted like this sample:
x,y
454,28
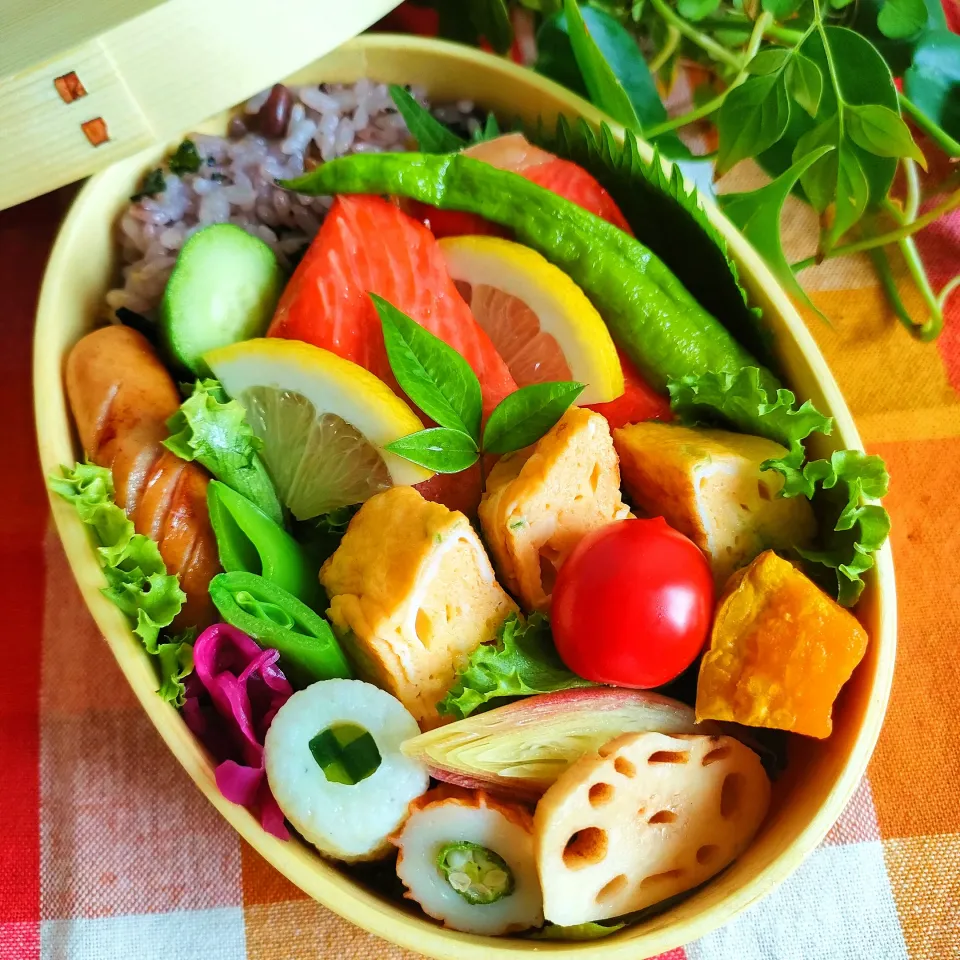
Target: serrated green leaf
x,y
213,430
697,9
851,531
881,131
136,576
753,117
439,449
899,19
520,661
805,83
769,60
430,372
525,415
431,135
731,398
757,214
606,91
665,215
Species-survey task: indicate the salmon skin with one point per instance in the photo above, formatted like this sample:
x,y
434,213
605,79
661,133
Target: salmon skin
x,y
368,245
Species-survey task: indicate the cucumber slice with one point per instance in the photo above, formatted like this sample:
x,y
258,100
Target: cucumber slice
x,y
224,288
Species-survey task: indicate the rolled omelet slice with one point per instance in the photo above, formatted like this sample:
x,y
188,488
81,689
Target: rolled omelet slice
x,y
467,859
541,502
708,485
412,594
333,762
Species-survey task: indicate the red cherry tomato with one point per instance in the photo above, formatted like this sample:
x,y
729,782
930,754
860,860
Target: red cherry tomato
x,y
632,604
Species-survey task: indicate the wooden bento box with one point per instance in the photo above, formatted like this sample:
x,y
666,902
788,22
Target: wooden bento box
x,y
822,774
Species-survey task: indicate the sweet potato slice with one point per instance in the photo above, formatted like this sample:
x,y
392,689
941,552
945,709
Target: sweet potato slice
x,y
646,818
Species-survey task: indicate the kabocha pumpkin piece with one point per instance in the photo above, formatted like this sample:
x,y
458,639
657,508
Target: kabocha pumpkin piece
x,y
780,651
708,485
541,502
647,817
467,859
412,594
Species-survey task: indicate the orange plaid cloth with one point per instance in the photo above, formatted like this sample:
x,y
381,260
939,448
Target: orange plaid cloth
x,y
109,853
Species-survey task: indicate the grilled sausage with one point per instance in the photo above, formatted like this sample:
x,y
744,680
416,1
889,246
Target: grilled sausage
x,y
121,396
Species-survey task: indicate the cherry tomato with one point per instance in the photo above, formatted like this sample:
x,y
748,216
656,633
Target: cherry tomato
x,y
632,604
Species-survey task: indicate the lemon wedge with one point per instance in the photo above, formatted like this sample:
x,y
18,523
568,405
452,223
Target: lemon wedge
x,y
540,321
323,420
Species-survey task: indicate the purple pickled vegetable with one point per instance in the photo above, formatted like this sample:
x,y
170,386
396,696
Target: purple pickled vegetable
x,y
231,700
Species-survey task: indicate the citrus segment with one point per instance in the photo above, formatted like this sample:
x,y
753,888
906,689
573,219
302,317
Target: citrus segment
x,y
539,320
323,420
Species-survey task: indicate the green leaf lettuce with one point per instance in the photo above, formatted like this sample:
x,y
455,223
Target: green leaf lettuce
x,y
519,662
137,578
213,430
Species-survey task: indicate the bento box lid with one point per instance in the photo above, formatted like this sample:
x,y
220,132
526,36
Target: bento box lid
x,y
84,83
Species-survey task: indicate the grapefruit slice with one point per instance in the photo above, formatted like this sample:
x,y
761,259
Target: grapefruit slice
x,y
367,245
540,321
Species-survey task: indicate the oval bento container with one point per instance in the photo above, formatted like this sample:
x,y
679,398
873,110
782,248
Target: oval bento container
x,y
822,775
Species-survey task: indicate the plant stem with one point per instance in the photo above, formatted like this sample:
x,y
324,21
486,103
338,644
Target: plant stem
x,y
666,51
707,44
831,67
715,103
911,205
936,133
891,236
792,37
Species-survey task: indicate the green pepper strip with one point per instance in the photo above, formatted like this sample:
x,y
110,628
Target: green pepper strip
x,y
276,619
346,753
248,540
651,315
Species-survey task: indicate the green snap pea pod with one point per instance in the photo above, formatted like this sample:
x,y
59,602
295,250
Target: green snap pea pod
x,y
248,540
275,618
651,315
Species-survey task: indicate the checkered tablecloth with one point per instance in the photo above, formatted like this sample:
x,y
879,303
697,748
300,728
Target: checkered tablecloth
x,y
108,851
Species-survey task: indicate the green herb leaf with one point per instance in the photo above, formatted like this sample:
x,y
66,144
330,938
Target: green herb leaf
x,y
781,9
213,430
933,82
525,415
805,83
837,177
606,91
578,931
137,579
185,159
731,397
489,131
153,183
757,214
431,135
431,373
851,530
767,61
666,215
521,661
899,19
555,59
880,131
753,117
439,449
697,9
491,18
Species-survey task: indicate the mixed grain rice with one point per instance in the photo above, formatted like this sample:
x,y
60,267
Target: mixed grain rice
x,y
235,183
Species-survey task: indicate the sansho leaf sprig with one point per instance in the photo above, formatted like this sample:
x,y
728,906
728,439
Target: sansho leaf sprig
x,y
441,383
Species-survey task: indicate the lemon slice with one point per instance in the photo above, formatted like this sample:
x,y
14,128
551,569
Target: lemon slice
x,y
540,321
323,421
